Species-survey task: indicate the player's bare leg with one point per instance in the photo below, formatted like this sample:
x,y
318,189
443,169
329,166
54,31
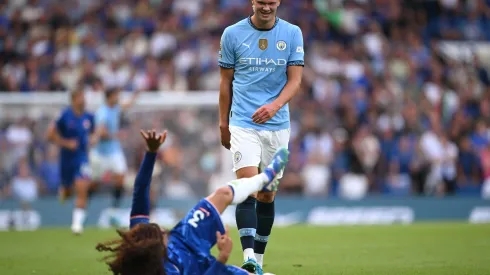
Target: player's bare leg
x,y
81,192
64,193
246,219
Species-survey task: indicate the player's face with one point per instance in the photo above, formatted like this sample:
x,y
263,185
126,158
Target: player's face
x,y
79,101
114,99
266,10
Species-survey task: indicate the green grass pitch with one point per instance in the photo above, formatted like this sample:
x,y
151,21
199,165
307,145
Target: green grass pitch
x,y
429,249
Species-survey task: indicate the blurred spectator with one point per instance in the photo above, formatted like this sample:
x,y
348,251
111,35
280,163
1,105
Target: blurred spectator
x,y
19,136
449,165
24,188
468,164
49,170
316,172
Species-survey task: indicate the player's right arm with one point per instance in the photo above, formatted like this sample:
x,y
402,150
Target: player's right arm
x,y
226,61
140,207
53,135
225,245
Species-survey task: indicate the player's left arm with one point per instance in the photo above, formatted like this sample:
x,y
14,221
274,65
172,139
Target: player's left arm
x,y
140,207
296,62
294,74
128,104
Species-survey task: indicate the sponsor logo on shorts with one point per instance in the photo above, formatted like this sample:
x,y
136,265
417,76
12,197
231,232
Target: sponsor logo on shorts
x,y
237,157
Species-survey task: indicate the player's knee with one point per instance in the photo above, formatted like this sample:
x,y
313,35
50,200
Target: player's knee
x,y
266,196
224,193
247,172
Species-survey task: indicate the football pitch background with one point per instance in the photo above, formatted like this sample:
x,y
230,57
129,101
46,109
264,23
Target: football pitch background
x,y
421,248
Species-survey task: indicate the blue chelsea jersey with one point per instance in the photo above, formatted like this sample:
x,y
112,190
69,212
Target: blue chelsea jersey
x,y
79,127
260,59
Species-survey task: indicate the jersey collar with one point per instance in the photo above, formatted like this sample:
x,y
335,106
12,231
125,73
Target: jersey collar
x,y
264,30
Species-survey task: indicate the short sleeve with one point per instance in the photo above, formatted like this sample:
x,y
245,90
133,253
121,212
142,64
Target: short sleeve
x,y
226,54
297,54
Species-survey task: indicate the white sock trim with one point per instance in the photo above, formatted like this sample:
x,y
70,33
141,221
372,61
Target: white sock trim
x,y
248,253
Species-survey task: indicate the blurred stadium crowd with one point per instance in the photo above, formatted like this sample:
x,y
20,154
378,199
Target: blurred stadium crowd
x,y
381,108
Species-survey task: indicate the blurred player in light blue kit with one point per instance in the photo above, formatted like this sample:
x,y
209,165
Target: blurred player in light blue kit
x,y
74,132
108,155
261,60
146,249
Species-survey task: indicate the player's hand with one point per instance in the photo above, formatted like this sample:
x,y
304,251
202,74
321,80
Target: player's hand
x,y
94,139
225,245
71,144
264,113
153,140
225,136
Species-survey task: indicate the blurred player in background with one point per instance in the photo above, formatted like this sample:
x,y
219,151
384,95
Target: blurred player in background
x,y
108,155
74,132
147,249
261,60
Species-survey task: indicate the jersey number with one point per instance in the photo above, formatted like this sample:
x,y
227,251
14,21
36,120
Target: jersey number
x,y
196,217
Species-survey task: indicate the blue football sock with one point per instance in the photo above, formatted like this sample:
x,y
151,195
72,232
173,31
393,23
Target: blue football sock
x,y
265,220
246,220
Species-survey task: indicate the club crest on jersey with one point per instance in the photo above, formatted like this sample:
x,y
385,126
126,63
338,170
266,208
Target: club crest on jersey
x,y
263,44
86,124
281,45
237,157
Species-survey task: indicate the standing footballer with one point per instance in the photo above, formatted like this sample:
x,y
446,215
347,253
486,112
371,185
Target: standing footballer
x,y
261,61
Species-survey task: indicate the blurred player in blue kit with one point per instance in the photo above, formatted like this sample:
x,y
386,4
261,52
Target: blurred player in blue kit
x,y
147,249
74,132
261,63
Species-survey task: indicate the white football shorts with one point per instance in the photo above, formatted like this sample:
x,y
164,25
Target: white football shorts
x,y
101,164
250,147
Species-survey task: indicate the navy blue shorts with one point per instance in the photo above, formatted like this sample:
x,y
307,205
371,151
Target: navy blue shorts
x,y
74,172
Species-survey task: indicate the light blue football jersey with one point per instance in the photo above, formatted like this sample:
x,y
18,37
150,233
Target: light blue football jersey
x,y
260,59
110,118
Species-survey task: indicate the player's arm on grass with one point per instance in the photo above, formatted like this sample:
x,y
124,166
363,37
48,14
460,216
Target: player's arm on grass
x,y
53,135
294,74
140,207
225,246
226,61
